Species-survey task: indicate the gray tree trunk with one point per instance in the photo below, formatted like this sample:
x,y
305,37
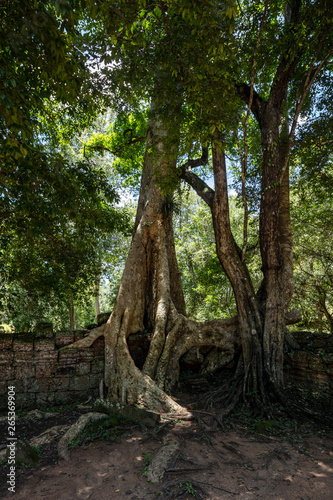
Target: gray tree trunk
x,y
150,297
97,303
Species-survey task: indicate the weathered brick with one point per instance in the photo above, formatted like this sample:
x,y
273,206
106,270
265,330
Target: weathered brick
x,y
4,392
97,366
23,343
24,356
94,380
64,338
44,345
45,398
82,368
79,334
21,385
60,383
3,386
79,383
24,369
79,396
94,392
26,401
68,356
68,396
7,356
62,371
6,340
44,384
33,386
7,370
85,355
46,369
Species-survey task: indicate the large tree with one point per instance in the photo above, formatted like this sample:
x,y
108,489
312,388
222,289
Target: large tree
x,y
262,314
150,296
172,44
199,66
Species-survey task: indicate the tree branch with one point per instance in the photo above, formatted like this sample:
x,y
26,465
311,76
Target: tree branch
x,y
203,160
244,92
200,186
117,151
309,79
312,143
202,189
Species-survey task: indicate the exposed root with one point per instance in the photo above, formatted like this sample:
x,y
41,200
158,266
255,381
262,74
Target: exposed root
x,y
231,394
175,416
49,435
165,456
88,340
225,397
222,334
74,431
46,437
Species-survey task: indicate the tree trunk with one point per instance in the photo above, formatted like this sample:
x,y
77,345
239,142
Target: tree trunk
x,y
150,297
97,305
230,257
270,248
261,316
150,293
72,325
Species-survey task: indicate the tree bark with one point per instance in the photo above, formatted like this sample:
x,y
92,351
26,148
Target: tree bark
x,y
262,354
150,293
230,256
97,304
270,248
71,309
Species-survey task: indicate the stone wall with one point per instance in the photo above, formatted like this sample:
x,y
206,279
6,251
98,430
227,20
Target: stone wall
x,y
44,375
312,364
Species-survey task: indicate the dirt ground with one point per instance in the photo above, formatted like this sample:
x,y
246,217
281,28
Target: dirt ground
x,y
243,463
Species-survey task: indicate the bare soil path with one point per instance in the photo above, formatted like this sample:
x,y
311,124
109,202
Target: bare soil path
x,y
211,463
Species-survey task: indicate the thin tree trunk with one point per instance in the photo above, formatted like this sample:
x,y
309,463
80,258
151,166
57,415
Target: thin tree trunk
x,y
286,239
72,325
97,304
230,256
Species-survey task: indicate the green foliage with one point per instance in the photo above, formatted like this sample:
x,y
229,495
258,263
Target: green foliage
x,y
55,222
173,49
40,60
207,292
55,210
61,62
123,141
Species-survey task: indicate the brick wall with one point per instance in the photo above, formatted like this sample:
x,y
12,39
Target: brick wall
x,y
312,365
43,375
